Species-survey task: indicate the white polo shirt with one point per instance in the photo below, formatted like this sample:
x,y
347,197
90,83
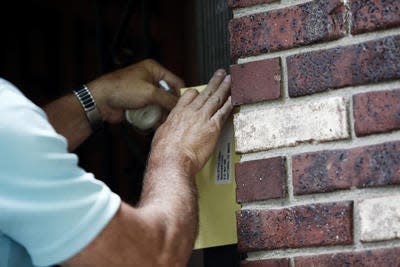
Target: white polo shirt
x,y
50,208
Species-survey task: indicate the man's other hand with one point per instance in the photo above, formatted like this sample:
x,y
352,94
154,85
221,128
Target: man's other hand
x,y
133,87
191,131
161,230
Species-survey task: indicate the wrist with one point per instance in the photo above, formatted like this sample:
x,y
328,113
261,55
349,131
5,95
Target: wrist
x,y
90,108
98,88
176,162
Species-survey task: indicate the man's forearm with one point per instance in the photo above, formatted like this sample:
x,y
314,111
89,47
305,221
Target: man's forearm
x,y
132,87
171,191
68,118
161,230
180,148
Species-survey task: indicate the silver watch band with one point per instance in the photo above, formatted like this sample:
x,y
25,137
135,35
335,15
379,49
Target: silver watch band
x,y
89,106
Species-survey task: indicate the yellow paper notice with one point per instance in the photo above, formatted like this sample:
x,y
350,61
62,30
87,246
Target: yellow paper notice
x,y
216,189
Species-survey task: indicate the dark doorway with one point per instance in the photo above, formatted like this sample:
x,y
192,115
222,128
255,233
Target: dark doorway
x,y
50,47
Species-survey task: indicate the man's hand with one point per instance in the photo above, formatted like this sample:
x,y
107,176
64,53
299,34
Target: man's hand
x,y
129,88
190,133
133,87
162,229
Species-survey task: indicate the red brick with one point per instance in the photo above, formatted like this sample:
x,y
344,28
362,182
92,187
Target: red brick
x,y
300,226
256,81
376,112
368,258
246,3
266,263
364,63
260,179
371,15
361,167
304,24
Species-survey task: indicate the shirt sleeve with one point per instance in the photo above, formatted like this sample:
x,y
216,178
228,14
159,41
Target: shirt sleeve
x,y
47,203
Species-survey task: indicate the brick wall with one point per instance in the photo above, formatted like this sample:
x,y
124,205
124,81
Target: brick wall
x,y
318,85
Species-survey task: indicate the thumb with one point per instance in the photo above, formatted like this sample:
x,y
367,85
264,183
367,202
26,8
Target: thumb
x,y
164,99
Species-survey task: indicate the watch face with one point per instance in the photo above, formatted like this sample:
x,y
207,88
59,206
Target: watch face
x,y
88,104
85,98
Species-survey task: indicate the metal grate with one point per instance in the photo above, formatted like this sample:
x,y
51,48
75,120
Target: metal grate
x,y
212,36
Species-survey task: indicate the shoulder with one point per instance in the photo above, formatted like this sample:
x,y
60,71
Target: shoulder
x,y
12,99
7,86
24,128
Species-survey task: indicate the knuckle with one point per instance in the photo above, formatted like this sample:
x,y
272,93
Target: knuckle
x,y
150,92
192,91
207,94
149,61
216,99
216,125
154,93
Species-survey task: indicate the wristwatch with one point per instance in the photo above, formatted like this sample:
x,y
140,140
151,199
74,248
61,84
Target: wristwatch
x,y
89,106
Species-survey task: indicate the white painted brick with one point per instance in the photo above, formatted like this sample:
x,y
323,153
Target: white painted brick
x,y
279,126
380,218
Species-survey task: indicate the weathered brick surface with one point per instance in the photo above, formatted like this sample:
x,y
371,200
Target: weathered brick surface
x,y
246,3
256,81
266,263
260,179
304,24
376,112
326,171
369,62
371,15
316,119
300,226
379,218
272,127
369,258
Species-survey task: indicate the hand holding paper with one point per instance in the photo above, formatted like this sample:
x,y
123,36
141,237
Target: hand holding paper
x,y
191,131
216,188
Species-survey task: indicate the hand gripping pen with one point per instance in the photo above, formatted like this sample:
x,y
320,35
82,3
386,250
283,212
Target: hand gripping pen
x,y
148,117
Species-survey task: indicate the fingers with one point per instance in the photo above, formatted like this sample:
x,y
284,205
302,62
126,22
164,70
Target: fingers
x,y
187,98
162,98
173,81
223,113
161,73
219,97
212,86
